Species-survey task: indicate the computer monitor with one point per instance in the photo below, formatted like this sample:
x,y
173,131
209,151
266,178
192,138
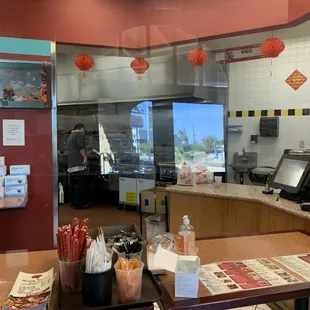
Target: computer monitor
x,y
290,173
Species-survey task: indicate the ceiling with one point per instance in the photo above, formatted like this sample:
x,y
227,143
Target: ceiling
x,y
140,24
241,40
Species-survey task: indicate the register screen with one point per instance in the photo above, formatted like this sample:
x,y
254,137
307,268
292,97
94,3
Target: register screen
x,y
290,172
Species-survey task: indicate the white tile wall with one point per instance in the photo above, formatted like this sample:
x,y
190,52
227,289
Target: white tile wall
x,y
260,84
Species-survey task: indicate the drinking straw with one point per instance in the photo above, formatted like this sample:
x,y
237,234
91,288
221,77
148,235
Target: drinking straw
x,y
71,241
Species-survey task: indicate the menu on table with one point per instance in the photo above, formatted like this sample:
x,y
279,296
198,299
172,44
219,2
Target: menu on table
x,y
228,277
300,264
30,291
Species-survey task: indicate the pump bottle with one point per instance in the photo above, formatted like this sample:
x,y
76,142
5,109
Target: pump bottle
x,y
187,245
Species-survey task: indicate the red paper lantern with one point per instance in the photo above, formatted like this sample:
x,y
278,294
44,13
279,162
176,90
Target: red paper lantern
x,y
197,57
272,47
139,65
84,62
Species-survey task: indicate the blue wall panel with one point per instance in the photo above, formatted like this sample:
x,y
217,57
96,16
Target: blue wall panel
x,y
25,46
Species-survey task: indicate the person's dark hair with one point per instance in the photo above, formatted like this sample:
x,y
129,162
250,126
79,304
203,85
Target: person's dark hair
x,y
78,126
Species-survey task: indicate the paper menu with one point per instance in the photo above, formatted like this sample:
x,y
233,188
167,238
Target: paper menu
x,y
227,277
30,291
300,264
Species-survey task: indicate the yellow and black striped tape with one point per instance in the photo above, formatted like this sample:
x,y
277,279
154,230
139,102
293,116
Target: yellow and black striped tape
x,y
276,112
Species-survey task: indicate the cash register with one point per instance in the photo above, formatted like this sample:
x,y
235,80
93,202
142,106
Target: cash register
x,y
292,176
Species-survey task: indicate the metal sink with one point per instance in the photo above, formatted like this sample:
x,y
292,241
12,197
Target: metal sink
x,y
244,163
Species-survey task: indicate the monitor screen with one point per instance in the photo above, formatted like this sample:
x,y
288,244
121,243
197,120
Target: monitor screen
x,y
290,172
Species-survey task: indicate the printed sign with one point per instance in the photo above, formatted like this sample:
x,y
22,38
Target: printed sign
x,y
296,80
237,54
131,197
13,132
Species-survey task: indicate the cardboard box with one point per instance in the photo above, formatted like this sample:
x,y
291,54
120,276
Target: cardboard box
x,y
20,170
186,269
187,277
160,200
15,180
15,191
15,202
2,161
148,201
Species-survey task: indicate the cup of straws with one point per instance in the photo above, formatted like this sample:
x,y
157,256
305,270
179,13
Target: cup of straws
x,y
72,243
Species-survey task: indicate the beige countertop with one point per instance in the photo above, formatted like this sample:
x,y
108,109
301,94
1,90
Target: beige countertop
x,y
241,192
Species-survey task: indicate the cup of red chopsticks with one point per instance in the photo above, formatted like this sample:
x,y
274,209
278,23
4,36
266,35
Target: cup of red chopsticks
x,y
72,243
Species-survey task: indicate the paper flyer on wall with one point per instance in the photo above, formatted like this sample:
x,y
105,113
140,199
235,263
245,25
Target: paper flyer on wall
x,y
30,291
228,277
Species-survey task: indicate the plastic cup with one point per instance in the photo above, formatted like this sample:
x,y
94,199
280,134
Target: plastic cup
x,y
70,276
129,283
218,179
96,288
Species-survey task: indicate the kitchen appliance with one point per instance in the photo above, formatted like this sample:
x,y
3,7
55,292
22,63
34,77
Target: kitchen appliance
x,y
167,173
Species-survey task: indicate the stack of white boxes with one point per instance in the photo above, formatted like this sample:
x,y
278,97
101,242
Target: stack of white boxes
x,y
15,184
2,176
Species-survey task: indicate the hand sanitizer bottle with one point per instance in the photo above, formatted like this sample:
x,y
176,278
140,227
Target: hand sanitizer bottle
x,y
187,245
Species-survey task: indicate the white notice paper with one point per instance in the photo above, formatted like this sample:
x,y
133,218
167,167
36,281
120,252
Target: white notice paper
x,y
13,132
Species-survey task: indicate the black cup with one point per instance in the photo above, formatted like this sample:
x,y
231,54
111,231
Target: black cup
x,y
96,288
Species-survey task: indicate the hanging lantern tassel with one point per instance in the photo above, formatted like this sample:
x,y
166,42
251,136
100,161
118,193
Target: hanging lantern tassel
x,y
139,66
84,62
272,48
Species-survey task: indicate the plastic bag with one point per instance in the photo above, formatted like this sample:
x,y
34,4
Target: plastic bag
x,y
187,175
167,241
203,175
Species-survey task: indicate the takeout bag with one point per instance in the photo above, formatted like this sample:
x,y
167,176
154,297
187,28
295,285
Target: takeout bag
x,y
187,175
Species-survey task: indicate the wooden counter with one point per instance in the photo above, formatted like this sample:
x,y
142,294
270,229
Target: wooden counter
x,y
30,262
233,209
